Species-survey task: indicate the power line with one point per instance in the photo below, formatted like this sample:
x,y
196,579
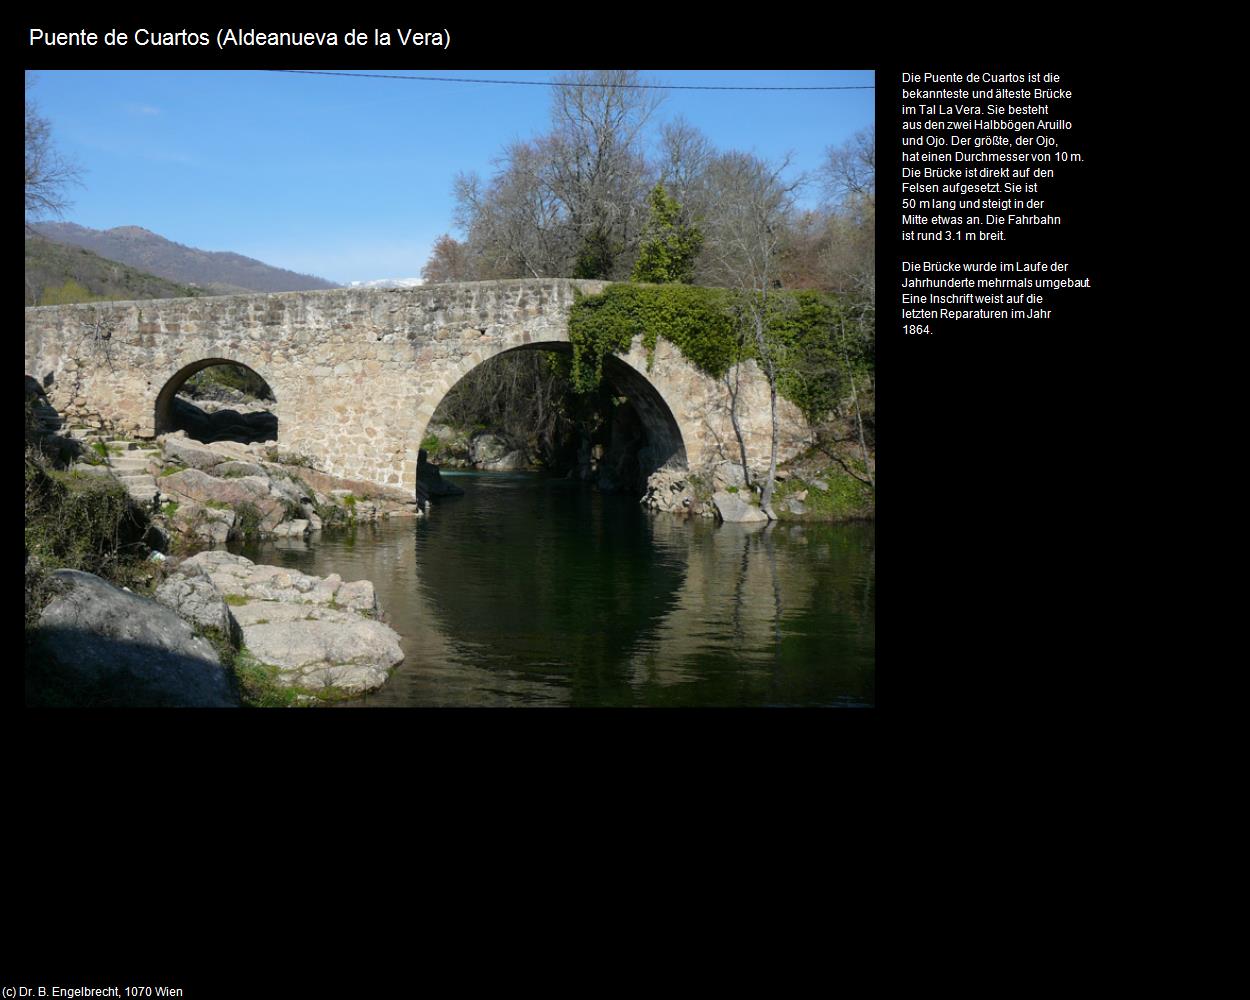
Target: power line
x,y
552,83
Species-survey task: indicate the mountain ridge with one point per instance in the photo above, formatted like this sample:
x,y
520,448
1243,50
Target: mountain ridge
x,y
215,271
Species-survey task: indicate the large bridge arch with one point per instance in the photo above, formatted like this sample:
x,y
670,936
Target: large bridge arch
x,y
666,443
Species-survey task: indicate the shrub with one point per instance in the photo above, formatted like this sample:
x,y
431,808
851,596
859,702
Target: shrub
x,y
87,523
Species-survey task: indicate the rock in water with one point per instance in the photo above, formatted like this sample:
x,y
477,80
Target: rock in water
x,y
101,646
668,490
319,647
318,633
486,448
732,508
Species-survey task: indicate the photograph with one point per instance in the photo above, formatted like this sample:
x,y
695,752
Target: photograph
x,y
449,388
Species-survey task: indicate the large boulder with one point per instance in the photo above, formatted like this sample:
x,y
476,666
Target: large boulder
x,y
189,453
99,645
197,600
233,469
733,508
513,460
239,576
317,632
192,484
320,647
486,448
726,474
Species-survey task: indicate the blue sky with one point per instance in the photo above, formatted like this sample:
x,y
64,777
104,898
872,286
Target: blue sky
x,y
350,179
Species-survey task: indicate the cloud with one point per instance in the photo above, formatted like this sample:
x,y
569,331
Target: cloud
x,y
142,109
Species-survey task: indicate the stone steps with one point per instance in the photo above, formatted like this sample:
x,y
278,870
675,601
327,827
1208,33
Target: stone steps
x,y
129,463
143,495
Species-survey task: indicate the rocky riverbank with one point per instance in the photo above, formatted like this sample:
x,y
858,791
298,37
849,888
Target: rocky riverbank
x,y
107,522
816,486
214,493
220,631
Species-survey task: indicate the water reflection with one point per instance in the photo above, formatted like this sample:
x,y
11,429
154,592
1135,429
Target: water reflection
x,y
528,591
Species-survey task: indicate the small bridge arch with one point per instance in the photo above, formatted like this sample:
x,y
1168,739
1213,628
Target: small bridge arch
x,y
164,417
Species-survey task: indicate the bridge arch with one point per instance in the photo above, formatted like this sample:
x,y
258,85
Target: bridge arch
x,y
666,445
166,416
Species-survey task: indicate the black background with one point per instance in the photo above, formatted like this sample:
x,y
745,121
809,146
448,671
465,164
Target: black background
x,y
985,453
980,427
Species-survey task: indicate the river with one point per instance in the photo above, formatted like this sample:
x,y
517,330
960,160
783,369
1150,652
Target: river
x,y
537,591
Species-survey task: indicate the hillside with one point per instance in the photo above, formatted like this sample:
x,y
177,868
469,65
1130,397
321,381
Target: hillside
x,y
56,274
217,272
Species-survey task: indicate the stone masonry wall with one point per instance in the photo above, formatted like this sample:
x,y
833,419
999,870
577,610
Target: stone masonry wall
x,y
357,373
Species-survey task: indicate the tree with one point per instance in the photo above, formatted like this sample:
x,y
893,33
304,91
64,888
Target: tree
x,y
449,261
744,236
669,247
597,166
685,155
48,172
849,179
571,202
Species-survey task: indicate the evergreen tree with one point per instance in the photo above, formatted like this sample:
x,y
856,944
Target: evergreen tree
x,y
669,248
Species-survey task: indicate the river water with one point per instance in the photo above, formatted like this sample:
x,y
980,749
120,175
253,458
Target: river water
x,y
537,591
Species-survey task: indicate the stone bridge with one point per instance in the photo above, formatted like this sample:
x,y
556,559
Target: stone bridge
x,y
357,373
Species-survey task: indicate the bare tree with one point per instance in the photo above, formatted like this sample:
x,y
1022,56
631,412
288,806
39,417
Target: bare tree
x,y
514,225
449,261
850,170
48,172
573,201
754,202
685,155
597,167
849,180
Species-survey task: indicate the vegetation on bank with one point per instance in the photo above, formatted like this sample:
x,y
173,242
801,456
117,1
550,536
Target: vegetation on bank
x,y
807,330
844,498
82,522
90,523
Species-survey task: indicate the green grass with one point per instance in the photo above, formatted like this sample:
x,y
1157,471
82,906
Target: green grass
x,y
258,683
846,499
171,470
259,686
237,600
